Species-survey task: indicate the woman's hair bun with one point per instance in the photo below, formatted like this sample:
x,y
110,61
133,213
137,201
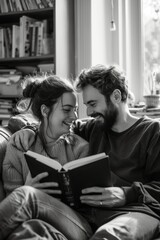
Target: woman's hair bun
x,y
30,87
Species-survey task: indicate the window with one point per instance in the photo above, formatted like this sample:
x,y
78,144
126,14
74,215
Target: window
x,y
151,19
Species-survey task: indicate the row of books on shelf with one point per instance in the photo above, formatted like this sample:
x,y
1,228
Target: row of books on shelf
x,y
153,112
24,5
15,74
30,38
9,76
7,109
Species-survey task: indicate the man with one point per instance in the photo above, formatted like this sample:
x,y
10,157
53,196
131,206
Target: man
x,y
131,208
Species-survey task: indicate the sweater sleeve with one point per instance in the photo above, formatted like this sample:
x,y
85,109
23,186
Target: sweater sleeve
x,y
148,192
84,128
14,168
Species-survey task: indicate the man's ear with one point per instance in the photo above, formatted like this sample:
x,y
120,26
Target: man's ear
x,y
44,110
116,96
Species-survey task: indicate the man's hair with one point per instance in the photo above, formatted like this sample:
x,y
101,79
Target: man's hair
x,y
105,78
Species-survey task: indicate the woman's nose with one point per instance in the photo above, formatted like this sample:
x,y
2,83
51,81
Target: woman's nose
x,y
74,115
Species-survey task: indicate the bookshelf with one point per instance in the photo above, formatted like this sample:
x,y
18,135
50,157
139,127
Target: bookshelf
x,y
8,19
62,54
11,15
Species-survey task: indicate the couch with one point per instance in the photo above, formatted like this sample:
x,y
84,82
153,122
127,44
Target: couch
x,y
33,225
15,123
33,228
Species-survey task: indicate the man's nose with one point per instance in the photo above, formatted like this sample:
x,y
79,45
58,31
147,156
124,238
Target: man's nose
x,y
89,111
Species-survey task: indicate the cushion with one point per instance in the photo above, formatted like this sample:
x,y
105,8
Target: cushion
x,y
19,121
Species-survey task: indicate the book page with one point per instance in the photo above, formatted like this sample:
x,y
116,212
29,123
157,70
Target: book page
x,y
45,160
84,161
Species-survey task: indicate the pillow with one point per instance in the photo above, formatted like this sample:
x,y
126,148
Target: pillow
x,y
19,121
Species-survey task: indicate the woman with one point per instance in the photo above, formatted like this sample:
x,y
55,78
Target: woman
x,y
53,102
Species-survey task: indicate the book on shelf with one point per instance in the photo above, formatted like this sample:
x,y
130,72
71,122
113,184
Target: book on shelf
x,y
5,116
25,22
2,53
7,71
50,3
39,3
9,6
3,5
73,176
5,110
154,109
5,106
44,2
15,40
7,42
33,39
31,4
23,4
18,5
46,67
39,41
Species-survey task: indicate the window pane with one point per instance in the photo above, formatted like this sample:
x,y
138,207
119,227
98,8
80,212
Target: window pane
x,y
151,19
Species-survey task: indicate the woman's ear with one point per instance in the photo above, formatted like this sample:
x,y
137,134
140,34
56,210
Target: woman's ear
x,y
44,110
116,96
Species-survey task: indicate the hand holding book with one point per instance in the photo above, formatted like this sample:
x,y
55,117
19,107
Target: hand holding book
x,y
51,188
104,197
73,176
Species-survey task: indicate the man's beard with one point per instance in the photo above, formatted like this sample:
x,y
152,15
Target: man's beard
x,y
109,117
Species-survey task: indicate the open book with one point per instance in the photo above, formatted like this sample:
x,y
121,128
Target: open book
x,y
73,176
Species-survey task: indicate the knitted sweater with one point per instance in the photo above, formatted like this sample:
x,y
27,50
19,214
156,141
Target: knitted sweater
x,y
134,160
65,149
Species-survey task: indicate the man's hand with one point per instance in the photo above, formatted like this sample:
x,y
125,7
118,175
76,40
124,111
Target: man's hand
x,y
23,139
47,187
104,197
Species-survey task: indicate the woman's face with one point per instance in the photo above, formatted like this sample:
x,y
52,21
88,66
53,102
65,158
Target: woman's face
x,y
64,112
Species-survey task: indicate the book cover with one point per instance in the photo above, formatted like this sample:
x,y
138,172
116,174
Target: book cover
x,y
73,176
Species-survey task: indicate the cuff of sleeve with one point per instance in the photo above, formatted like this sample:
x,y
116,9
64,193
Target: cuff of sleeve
x,y
131,194
32,127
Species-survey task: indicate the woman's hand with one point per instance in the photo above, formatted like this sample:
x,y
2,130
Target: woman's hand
x,y
23,139
47,187
103,197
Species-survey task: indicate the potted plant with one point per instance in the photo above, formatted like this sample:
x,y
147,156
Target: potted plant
x,y
153,99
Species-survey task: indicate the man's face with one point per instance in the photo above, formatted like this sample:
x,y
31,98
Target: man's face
x,y
97,107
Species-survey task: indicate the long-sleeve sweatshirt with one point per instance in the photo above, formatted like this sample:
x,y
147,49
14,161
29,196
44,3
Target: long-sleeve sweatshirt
x,y
134,156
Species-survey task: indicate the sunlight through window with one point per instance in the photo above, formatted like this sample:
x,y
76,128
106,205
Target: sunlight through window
x,y
151,18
